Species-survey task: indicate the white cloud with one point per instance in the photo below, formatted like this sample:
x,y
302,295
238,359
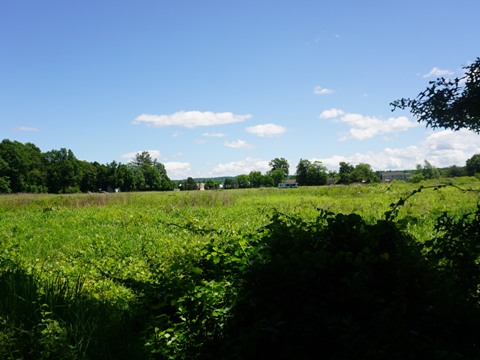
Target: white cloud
x,y
266,130
331,113
26,128
436,72
218,135
155,154
177,134
191,119
240,167
200,141
318,90
442,149
238,144
365,127
177,170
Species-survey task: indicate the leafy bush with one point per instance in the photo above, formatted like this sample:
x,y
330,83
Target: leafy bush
x,y
333,287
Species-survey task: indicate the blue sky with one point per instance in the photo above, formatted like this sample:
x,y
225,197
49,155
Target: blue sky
x,y
215,88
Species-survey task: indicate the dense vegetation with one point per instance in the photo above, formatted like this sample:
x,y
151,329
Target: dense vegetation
x,y
24,168
386,271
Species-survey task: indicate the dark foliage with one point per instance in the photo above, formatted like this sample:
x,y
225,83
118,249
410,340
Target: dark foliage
x,y
336,288
24,168
59,321
451,104
339,288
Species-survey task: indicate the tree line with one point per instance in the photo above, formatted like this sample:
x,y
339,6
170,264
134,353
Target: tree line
x,y
314,173
24,168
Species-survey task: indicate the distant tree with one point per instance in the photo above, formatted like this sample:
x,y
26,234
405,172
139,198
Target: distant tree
x,y
243,181
5,185
280,164
138,178
112,176
102,180
473,165
125,178
149,174
152,177
35,165
363,173
309,173
63,171
267,181
451,104
165,182
455,171
345,173
302,172
23,167
255,178
429,171
277,175
317,174
89,176
189,184
230,183
12,153
4,179
143,158
211,185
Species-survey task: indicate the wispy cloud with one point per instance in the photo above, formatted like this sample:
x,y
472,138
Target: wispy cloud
x,y
437,72
244,166
26,128
191,119
266,130
318,90
217,135
238,144
331,113
365,127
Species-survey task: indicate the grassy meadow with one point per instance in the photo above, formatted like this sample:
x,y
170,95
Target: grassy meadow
x,y
91,251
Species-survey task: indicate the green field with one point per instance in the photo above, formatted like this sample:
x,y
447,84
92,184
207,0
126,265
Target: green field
x,y
88,275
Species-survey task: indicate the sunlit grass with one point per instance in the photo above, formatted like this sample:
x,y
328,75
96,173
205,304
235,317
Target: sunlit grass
x,y
74,234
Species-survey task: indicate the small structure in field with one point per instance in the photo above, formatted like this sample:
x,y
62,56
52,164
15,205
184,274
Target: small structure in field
x,y
387,176
288,184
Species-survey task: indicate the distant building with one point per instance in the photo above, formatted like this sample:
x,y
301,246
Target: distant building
x,y
288,184
113,190
387,176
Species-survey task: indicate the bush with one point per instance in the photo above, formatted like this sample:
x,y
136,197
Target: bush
x,y
334,287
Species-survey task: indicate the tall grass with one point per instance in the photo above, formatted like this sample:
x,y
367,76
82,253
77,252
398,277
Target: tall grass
x,y
65,259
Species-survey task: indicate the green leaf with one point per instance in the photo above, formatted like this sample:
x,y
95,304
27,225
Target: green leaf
x,y
196,270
